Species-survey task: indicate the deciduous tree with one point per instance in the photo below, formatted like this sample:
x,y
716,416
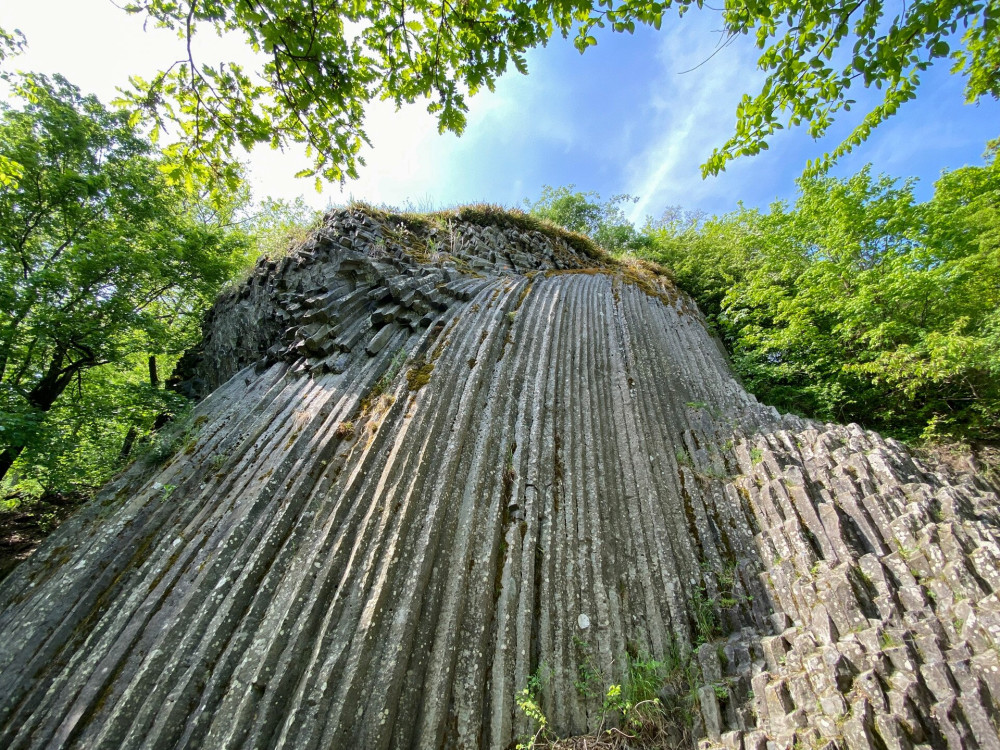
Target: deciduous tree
x,y
101,257
583,212
858,303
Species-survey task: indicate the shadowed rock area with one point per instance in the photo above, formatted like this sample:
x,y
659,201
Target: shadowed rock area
x,y
435,460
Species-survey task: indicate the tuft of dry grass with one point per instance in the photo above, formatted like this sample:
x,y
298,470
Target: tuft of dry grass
x,y
651,732
344,430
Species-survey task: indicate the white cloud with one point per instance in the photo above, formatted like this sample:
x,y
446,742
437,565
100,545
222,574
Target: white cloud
x,y
693,94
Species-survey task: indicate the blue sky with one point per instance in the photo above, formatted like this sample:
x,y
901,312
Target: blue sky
x,y
623,118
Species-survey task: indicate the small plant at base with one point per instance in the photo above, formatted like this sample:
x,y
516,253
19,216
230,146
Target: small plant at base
x,y
614,701
344,430
644,677
588,679
756,455
637,701
528,701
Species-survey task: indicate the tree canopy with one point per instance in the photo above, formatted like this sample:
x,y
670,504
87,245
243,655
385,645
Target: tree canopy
x,y
858,303
103,262
815,53
317,64
581,212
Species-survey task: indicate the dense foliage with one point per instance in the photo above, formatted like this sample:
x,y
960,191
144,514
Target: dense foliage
x,y
814,53
606,223
103,263
317,64
858,303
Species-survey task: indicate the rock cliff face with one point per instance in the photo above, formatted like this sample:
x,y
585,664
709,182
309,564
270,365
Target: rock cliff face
x,y
435,464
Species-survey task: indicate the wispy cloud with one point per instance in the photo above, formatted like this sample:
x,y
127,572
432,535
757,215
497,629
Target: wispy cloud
x,y
693,93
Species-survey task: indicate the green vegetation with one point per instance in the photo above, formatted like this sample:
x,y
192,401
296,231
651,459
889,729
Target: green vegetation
x,y
810,70
584,214
858,304
855,304
589,678
653,706
706,619
316,65
106,266
528,700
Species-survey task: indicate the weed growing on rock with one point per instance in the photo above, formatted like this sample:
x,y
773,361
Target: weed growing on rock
x,y
588,682
705,619
887,640
528,700
653,707
383,383
167,441
420,374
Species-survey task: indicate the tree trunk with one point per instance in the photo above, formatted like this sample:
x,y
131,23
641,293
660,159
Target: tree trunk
x,y
42,396
7,459
130,437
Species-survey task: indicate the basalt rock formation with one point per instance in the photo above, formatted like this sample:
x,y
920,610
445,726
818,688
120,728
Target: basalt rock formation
x,y
437,462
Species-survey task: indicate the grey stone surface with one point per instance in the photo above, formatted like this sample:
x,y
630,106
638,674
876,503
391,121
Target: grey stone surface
x,y
424,455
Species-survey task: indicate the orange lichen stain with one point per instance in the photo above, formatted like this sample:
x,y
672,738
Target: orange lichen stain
x,y
376,411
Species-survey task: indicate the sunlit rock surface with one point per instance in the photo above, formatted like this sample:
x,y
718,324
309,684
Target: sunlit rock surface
x,y
431,463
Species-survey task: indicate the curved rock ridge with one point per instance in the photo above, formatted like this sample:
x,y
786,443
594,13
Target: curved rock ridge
x,y
437,463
